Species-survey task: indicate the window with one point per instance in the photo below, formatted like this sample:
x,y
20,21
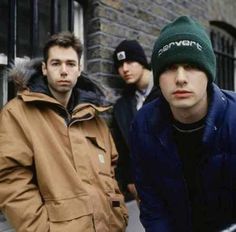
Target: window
x,y
3,31
224,48
26,25
3,49
3,85
79,27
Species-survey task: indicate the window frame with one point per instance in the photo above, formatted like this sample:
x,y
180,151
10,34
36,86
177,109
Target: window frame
x,y
77,15
224,46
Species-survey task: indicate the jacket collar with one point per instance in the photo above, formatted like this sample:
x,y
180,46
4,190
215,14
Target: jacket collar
x,y
28,76
83,111
215,116
164,130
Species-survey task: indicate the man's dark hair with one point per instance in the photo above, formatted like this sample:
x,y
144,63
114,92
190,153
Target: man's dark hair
x,y
64,39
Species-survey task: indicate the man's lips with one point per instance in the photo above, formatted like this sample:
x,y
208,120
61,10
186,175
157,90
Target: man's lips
x,y
128,76
63,82
182,93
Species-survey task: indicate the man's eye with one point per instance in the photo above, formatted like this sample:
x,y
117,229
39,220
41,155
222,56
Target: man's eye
x,y
55,64
190,67
71,64
170,68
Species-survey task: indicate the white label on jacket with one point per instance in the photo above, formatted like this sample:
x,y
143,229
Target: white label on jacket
x,y
101,158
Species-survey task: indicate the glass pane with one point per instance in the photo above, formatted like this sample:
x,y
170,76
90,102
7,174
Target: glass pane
x,y
79,28
63,15
224,44
3,26
23,28
3,90
44,22
45,18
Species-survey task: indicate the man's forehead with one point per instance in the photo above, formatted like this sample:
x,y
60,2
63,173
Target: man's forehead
x,y
62,54
62,60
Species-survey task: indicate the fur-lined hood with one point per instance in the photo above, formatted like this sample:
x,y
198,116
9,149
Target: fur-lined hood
x,y
28,75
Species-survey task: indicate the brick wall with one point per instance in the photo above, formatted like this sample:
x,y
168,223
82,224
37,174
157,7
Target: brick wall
x,y
110,21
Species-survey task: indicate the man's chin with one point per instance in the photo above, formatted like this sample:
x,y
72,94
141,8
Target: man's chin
x,y
64,89
130,82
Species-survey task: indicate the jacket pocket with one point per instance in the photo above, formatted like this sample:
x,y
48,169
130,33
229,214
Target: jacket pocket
x,y
68,209
99,156
118,216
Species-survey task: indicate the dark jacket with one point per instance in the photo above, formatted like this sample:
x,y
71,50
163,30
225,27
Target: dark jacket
x,y
158,173
123,114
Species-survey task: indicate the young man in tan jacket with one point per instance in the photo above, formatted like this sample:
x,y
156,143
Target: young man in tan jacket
x,y
57,157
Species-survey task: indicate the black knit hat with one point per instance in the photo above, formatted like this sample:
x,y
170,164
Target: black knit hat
x,y
183,41
129,50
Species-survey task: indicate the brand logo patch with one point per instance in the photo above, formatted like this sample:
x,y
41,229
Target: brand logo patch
x,y
121,55
101,158
184,43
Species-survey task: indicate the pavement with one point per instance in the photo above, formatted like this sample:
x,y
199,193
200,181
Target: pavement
x,y
134,225
4,226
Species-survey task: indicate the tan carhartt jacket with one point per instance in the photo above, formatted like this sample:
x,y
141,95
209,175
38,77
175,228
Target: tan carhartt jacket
x,y
56,169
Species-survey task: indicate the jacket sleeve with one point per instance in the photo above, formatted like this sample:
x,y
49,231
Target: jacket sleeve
x,y
123,170
153,213
111,149
114,158
20,200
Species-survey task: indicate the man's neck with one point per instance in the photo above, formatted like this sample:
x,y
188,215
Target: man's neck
x,y
191,115
144,80
63,98
186,117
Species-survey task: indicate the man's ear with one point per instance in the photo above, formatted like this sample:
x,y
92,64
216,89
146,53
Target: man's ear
x,y
79,71
44,68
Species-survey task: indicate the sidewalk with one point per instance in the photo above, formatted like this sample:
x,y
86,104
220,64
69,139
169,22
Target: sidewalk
x,y
4,226
134,225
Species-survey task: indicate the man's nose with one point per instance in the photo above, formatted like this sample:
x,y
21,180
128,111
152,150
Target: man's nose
x,y
63,68
181,75
125,67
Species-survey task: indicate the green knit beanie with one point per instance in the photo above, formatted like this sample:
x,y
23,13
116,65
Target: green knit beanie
x,y
184,41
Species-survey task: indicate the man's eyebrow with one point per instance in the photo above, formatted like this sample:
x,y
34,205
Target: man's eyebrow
x,y
54,60
69,60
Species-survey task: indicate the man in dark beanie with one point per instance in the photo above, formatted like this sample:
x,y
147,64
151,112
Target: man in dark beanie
x,y
183,144
131,64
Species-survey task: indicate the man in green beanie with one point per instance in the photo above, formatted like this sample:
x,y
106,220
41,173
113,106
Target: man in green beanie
x,y
183,144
